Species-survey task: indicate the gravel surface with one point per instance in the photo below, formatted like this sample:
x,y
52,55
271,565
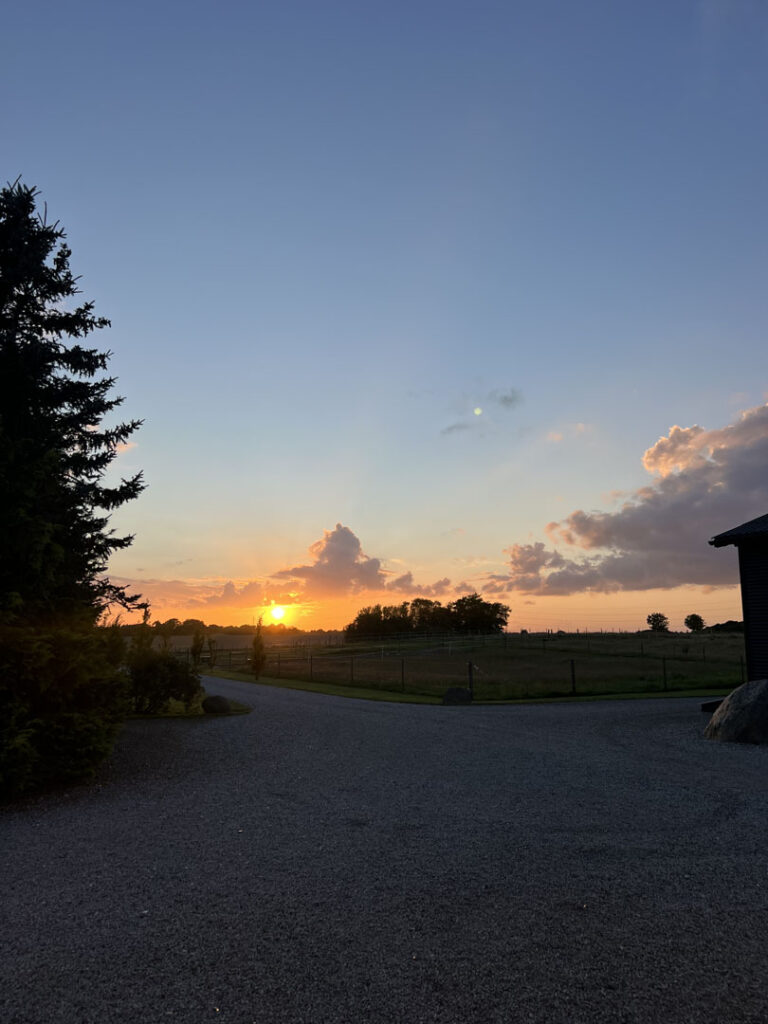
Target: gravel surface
x,y
332,860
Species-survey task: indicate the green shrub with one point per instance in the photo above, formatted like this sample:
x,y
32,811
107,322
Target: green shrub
x,y
62,697
156,678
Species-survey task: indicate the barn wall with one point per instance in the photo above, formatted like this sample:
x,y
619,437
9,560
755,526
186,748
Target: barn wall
x,y
753,567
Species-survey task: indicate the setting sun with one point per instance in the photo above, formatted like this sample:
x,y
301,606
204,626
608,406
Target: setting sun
x,y
277,611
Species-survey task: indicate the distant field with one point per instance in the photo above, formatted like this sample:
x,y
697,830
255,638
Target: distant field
x,y
511,667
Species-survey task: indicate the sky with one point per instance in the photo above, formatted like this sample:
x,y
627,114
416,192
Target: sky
x,y
417,299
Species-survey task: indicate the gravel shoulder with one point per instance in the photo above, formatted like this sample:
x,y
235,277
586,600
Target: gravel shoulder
x,y
332,860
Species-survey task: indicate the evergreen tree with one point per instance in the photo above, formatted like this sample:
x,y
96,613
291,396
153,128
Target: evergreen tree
x,y
59,680
258,652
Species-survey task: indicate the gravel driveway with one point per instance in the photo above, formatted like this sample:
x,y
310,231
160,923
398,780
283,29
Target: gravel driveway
x,y
332,860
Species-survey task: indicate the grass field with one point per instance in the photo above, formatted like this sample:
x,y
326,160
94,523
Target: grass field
x,y
513,667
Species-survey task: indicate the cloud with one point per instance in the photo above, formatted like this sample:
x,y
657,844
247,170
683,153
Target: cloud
x,y
339,566
209,593
464,588
247,596
495,589
569,430
405,585
506,399
703,482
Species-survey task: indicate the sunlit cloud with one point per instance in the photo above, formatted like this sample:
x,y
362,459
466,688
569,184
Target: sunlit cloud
x,y
703,482
339,567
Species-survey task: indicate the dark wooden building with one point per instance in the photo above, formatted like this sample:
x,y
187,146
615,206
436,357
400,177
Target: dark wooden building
x,y
751,539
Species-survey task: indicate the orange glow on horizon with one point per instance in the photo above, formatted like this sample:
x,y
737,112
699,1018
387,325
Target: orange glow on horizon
x,y
585,612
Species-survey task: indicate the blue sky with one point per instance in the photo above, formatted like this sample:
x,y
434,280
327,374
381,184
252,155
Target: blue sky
x,y
327,232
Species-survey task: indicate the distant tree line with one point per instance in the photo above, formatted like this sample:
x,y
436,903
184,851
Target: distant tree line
x,y
470,614
731,626
193,627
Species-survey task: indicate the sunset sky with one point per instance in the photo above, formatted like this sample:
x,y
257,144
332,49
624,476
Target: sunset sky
x,y
417,299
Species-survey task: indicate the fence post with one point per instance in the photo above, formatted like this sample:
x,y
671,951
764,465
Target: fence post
x,y
278,666
471,679
573,676
402,674
664,671
310,668
351,670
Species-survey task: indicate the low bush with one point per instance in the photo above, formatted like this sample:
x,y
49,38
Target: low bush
x,y
155,678
62,697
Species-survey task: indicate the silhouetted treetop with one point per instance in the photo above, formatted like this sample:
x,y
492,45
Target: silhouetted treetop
x,y
470,614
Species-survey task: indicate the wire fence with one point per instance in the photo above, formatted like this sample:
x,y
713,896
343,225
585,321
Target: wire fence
x,y
508,666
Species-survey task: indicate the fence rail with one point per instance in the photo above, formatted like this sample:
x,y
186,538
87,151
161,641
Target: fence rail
x,y
504,667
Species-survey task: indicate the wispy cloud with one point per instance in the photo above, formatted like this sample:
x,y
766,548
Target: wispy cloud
x,y
506,399
568,430
477,406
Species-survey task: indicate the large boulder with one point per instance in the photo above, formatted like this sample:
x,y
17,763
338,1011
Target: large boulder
x,y
216,705
457,695
743,715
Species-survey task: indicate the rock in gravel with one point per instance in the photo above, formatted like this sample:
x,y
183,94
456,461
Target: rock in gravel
x,y
215,705
743,715
457,695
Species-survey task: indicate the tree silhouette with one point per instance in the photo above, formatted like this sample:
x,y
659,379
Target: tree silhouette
x,y
258,652
53,450
694,622
658,622
59,684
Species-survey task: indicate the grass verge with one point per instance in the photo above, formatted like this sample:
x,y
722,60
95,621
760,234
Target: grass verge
x,y
391,696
